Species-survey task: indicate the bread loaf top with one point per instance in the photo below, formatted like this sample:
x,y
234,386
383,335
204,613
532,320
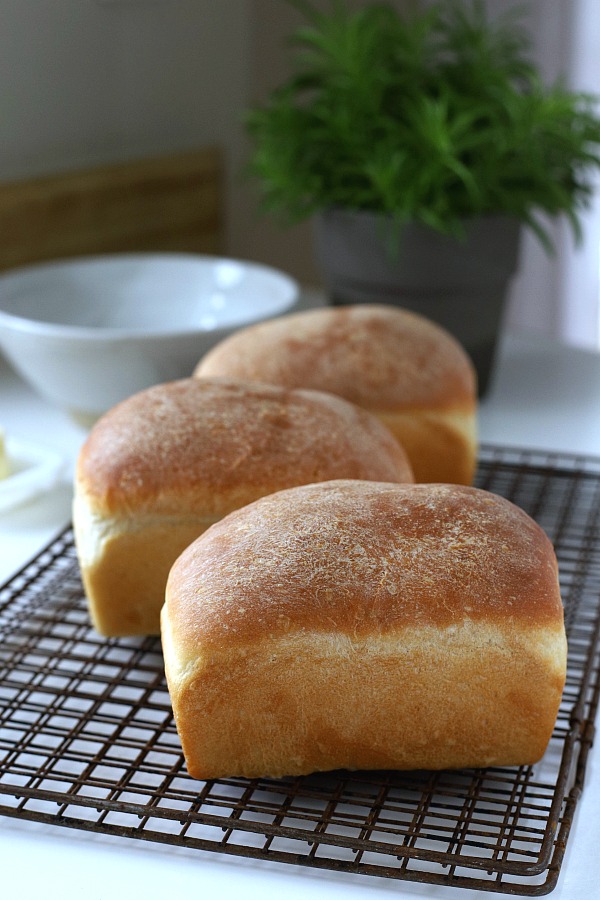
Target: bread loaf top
x,y
376,356
212,445
358,560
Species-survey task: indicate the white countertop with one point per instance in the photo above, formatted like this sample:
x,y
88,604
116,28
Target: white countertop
x,y
543,397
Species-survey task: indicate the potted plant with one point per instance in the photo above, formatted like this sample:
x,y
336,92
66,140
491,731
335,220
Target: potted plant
x,y
421,145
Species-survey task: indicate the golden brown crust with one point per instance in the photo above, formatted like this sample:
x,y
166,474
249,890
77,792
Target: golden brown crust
x,y
392,362
374,555
359,625
219,443
378,357
161,467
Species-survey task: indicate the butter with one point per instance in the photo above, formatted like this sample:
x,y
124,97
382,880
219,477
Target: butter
x,y
3,457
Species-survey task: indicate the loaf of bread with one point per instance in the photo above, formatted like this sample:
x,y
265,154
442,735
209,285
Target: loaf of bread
x,y
396,364
365,626
162,466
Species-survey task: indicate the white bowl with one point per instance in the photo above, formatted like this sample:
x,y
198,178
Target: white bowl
x,y
88,332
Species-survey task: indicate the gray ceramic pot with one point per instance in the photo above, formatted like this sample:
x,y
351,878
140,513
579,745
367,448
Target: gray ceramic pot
x,y
462,285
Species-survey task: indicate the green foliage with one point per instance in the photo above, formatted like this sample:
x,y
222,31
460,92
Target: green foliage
x,y
433,119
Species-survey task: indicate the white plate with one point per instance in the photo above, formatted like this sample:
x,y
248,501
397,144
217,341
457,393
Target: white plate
x,y
32,471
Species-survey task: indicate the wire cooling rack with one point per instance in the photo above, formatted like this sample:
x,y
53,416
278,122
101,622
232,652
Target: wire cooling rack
x,y
87,738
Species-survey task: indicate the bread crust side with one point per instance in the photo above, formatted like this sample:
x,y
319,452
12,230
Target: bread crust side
x,y
124,564
441,445
422,698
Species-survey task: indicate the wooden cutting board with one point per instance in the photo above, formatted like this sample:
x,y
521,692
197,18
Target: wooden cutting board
x,y
171,203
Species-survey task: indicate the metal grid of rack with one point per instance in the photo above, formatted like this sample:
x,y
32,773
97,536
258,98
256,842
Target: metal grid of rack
x,y
87,738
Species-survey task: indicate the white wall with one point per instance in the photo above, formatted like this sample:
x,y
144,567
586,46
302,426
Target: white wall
x,y
559,296
91,81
